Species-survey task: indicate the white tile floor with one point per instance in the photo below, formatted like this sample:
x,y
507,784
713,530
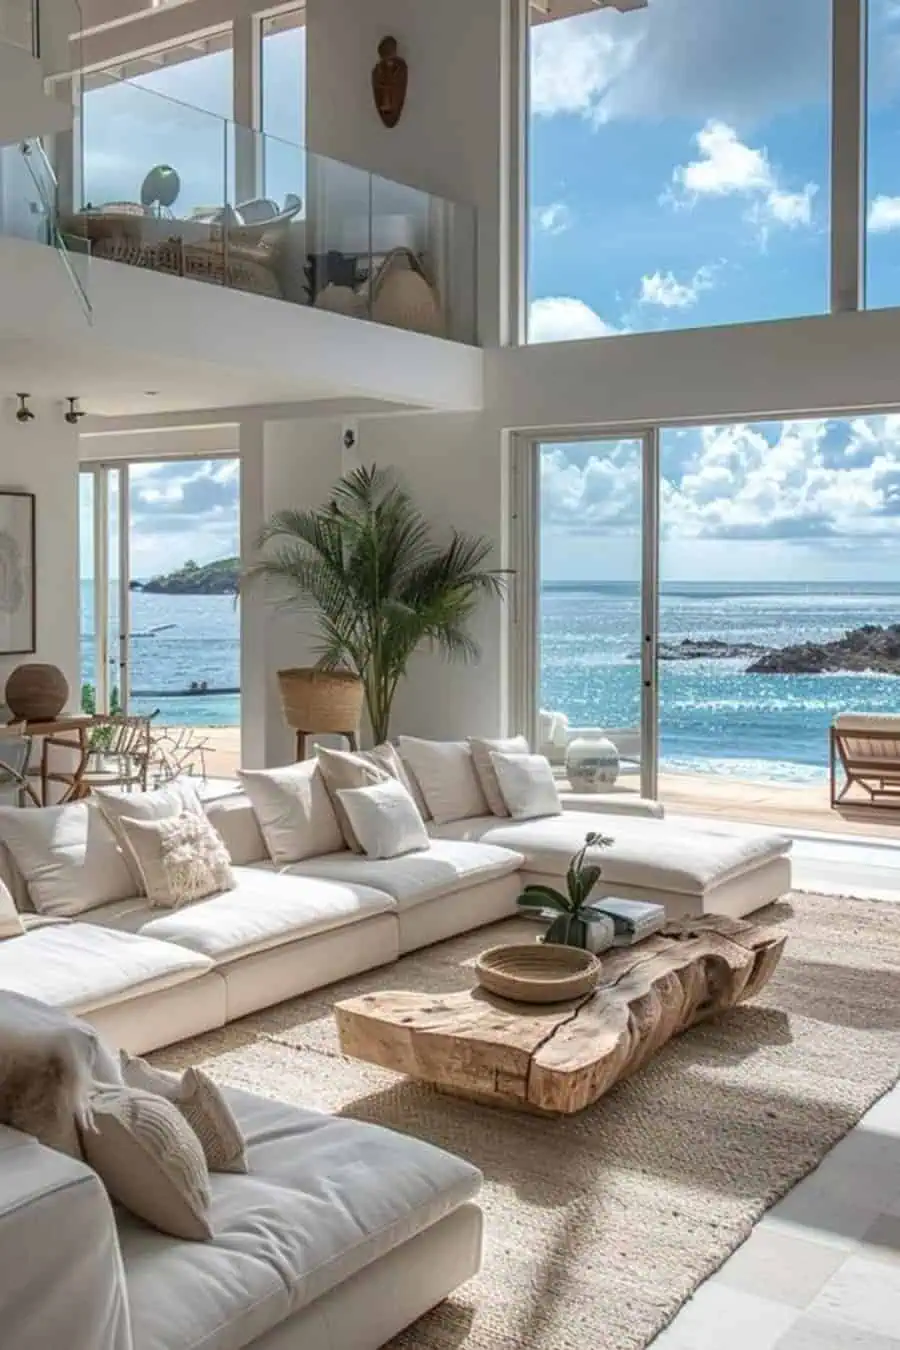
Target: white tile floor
x,y
821,1271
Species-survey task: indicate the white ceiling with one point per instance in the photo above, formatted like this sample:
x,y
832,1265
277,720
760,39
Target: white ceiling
x,y
112,382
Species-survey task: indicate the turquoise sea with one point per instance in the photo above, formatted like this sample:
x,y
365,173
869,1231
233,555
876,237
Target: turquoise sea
x,y
713,716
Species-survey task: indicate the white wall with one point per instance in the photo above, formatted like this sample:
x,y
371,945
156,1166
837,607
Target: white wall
x,y
819,365
450,139
453,465
42,457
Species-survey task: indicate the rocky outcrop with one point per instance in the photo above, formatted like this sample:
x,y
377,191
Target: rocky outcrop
x,y
215,578
706,649
869,648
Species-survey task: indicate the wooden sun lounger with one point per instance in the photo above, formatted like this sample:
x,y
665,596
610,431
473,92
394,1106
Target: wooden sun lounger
x,y
867,749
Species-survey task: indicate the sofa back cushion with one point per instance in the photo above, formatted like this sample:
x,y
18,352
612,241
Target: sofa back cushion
x,y
343,770
482,750
235,820
68,856
445,773
527,784
294,811
12,878
11,924
158,804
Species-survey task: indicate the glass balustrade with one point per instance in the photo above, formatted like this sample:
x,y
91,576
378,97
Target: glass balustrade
x,y
173,189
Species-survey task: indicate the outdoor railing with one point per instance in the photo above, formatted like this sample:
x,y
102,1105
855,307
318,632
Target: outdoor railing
x,y
173,189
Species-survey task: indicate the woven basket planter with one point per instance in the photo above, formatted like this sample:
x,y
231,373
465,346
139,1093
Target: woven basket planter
x,y
321,700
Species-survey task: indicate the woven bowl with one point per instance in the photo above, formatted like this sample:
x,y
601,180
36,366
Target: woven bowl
x,y
544,972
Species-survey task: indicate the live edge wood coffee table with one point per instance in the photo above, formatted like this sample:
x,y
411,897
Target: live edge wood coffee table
x,y
558,1059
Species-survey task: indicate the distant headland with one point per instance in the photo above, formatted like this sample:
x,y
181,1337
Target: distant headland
x,y
215,578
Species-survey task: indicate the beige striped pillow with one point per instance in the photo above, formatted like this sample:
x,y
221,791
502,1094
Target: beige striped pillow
x,y
150,1160
203,1106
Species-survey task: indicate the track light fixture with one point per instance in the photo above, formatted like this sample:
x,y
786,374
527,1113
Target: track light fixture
x,y
74,415
23,412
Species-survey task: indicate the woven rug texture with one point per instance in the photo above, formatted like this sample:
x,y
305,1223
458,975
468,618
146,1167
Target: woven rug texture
x,y
600,1226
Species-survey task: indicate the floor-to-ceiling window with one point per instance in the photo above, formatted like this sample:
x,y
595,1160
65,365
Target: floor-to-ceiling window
x,y
159,572
283,104
763,605
678,166
595,714
882,159
171,109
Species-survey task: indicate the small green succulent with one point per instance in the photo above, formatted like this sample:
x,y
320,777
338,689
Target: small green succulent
x,y
571,924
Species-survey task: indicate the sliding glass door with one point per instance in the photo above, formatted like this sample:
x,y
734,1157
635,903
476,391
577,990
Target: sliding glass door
x,y
159,574
105,595
591,699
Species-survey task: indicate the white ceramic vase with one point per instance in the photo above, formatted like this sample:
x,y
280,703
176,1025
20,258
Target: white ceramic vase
x,y
592,763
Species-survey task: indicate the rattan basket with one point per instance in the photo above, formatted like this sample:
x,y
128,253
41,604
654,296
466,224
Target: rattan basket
x,y
321,700
537,972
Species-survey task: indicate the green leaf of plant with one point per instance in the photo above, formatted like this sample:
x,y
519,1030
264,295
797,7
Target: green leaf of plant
x,y
540,897
590,875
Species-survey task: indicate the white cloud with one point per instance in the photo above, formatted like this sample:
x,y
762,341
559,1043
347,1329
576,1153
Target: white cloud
x,y
559,318
799,483
683,58
884,214
553,219
727,167
665,290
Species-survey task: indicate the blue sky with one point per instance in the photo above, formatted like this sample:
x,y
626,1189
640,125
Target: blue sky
x,y
678,178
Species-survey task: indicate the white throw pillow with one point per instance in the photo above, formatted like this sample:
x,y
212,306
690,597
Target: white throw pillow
x,y
181,858
385,819
68,856
341,771
203,1105
11,924
150,1160
445,772
527,784
294,811
487,774
159,804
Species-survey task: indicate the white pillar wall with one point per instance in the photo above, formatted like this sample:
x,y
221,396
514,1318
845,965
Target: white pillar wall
x,y
453,465
451,138
41,457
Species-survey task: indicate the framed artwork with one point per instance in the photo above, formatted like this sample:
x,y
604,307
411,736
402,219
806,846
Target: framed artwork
x,y
18,634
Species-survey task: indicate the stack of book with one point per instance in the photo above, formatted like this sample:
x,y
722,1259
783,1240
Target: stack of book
x,y
634,920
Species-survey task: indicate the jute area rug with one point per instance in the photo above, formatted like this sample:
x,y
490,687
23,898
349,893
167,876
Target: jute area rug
x,y
601,1225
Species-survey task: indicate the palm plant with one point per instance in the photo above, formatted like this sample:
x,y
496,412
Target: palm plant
x,y
380,586
572,907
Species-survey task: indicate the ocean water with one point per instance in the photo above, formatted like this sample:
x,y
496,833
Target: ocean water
x,y
199,641
713,716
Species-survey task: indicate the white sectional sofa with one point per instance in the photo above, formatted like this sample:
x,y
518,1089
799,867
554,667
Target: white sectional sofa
x,y
339,1236
148,977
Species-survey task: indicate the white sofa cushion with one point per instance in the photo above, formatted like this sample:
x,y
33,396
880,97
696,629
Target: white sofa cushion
x,y
266,909
11,924
158,804
445,773
294,811
235,820
82,967
68,856
384,819
343,770
487,775
653,854
203,1105
447,866
527,784
150,1160
181,858
325,1197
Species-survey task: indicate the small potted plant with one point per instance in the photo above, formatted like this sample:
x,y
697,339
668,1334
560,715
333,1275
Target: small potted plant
x,y
574,919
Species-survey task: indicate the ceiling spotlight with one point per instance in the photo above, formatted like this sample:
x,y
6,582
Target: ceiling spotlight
x,y
23,412
74,414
